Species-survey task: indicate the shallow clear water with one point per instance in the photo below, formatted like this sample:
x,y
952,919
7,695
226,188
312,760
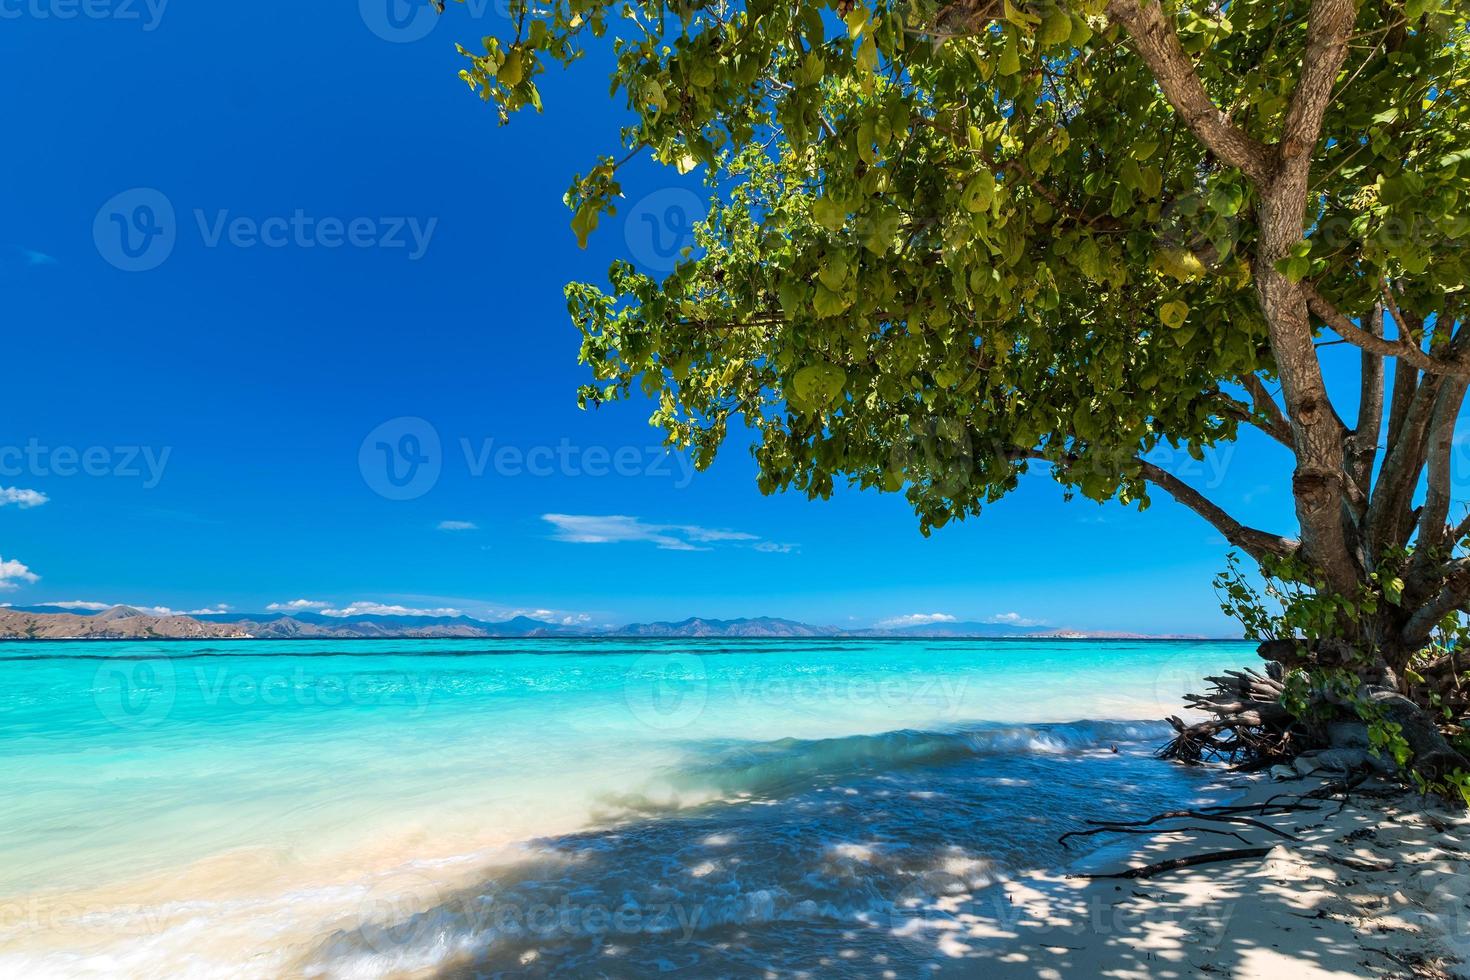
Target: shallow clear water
x,y
360,808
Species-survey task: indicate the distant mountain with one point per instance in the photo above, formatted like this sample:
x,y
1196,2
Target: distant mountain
x,y
420,627
126,622
758,626
51,609
526,626
119,612
117,623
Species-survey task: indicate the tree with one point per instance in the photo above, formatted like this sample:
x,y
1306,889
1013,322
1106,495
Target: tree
x,y
950,240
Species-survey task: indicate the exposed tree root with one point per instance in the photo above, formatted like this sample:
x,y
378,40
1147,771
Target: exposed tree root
x,y
1282,803
1249,727
1188,861
1151,830
1129,826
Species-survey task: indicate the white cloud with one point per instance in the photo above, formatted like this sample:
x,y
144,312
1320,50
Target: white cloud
x,y
88,605
13,574
458,526
379,609
916,619
559,617
545,615
297,605
619,528
22,498
215,610
1013,619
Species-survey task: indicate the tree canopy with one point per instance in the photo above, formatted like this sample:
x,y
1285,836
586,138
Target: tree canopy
x,y
950,239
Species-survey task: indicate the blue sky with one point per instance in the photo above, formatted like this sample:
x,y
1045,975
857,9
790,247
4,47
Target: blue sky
x,y
359,257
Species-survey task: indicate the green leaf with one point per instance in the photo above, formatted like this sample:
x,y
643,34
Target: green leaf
x,y
1150,181
584,222
819,385
1298,264
1056,27
1180,263
979,192
1081,31
1122,200
834,271
1010,58
829,213
511,72
1173,314
883,226
1019,16
653,94
1226,199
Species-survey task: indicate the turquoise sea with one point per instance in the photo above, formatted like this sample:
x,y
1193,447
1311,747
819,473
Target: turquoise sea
x,y
606,807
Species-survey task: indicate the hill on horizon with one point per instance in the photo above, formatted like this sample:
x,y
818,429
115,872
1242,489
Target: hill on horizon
x,y
121,621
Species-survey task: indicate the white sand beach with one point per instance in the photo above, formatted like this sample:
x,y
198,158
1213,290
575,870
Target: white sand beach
x,y
1369,887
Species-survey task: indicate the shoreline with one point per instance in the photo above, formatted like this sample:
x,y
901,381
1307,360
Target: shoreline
x,y
654,637
272,913
769,839
1374,887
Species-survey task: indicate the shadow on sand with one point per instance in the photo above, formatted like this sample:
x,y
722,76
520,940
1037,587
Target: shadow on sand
x,y
875,874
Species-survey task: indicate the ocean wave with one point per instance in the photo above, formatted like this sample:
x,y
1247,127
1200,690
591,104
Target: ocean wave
x,y
778,767
878,836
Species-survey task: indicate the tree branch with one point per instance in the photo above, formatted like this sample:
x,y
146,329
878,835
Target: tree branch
x,y
1363,442
1430,546
1405,386
1276,426
1155,41
1461,529
1390,519
1258,544
1454,595
1402,350
1329,25
1242,412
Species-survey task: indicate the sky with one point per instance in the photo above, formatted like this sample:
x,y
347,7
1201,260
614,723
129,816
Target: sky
x,y
284,324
